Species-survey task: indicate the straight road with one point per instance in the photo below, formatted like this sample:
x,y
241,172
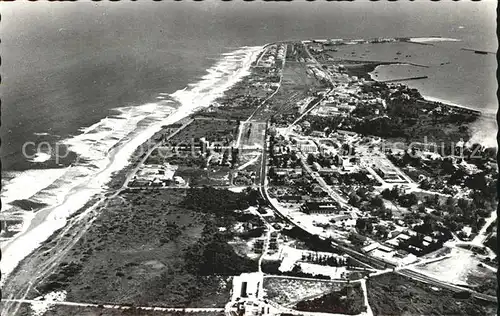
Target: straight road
x,y
115,306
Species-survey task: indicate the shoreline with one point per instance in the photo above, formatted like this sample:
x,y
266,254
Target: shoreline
x,y
477,132
49,220
428,97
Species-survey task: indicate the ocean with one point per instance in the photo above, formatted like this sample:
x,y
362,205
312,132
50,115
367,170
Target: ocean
x,y
95,79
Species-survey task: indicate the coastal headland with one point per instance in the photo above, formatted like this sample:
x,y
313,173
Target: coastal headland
x,y
303,170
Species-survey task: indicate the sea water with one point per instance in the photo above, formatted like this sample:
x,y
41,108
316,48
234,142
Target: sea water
x,y
100,78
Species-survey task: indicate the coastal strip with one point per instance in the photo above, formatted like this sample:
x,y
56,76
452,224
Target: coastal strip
x,y
194,97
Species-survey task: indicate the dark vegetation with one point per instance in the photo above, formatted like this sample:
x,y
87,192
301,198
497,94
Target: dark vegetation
x,y
407,117
492,243
212,129
61,310
219,202
312,242
159,248
271,267
393,294
349,300
28,205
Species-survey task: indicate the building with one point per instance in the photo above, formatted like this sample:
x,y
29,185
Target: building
x,y
287,198
307,146
370,247
139,183
317,134
387,173
288,171
179,180
327,171
341,217
346,108
248,285
346,133
327,207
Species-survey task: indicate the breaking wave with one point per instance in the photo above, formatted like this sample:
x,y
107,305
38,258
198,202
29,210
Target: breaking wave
x,y
102,149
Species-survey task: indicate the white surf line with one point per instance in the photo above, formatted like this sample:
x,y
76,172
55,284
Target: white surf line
x,y
117,306
56,216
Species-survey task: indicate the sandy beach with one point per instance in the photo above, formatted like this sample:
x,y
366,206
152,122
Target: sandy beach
x,y
228,71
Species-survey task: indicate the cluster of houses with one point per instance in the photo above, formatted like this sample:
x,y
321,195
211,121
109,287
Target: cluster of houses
x,y
397,249
321,207
388,173
348,99
273,53
154,175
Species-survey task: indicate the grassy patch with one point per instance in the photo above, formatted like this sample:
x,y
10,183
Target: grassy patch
x,y
151,248
212,129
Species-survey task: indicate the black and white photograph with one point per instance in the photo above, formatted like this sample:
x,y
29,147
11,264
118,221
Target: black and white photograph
x,y
248,158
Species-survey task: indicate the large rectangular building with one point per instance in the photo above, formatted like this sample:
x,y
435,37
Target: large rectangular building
x,y
327,207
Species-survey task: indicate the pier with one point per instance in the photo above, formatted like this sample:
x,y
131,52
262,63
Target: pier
x,y
381,62
404,79
478,51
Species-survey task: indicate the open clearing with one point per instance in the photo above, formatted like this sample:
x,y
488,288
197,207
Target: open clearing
x,y
461,267
290,291
252,134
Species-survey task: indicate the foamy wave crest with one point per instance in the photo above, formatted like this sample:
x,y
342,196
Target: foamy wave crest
x,y
25,184
224,74
484,132
106,147
433,39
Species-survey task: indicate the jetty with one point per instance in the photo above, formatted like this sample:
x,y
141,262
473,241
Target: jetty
x,y
404,79
478,51
380,62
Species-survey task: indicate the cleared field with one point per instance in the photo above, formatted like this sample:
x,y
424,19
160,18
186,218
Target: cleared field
x,y
463,267
298,76
290,291
213,176
252,134
211,129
